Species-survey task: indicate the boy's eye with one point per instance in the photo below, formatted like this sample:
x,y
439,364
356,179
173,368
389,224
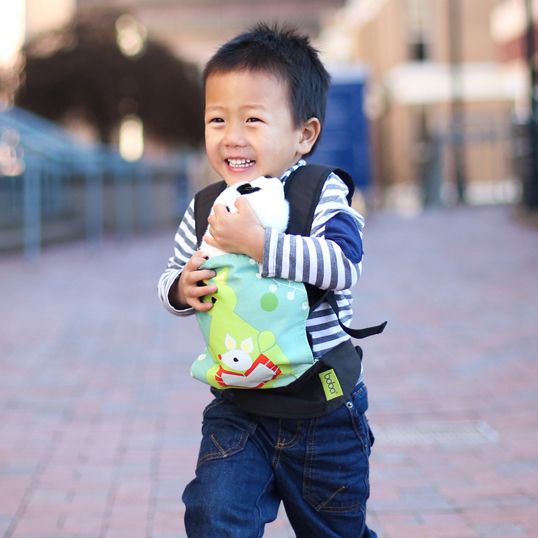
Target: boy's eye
x,y
253,119
215,120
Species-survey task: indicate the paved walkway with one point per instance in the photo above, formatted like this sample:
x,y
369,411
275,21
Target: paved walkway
x,y
99,420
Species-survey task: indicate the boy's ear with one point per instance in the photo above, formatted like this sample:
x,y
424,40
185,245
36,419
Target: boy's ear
x,y
309,134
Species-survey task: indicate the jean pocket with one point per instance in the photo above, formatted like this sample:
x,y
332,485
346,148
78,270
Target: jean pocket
x,y
336,477
357,406
225,431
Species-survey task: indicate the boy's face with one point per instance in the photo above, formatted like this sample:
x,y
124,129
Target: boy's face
x,y
249,128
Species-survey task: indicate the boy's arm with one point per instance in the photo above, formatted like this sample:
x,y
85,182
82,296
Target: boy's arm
x,y
331,257
184,248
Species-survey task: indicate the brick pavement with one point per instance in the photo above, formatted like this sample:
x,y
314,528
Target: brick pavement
x,y
99,420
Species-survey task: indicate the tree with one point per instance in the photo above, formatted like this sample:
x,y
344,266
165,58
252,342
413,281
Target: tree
x,y
81,70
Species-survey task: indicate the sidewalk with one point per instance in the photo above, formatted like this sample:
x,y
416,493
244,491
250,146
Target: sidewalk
x,y
100,421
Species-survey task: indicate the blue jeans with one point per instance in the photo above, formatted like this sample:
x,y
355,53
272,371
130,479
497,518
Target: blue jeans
x,y
248,464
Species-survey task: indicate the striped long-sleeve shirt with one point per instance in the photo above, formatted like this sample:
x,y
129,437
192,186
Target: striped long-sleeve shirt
x,y
329,259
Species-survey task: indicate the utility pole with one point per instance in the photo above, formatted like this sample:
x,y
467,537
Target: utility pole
x,y
457,110
530,179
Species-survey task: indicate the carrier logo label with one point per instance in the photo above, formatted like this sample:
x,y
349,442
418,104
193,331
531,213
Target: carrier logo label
x,y
331,385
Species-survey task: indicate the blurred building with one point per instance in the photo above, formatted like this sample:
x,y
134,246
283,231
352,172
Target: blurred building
x,y
509,26
439,102
195,28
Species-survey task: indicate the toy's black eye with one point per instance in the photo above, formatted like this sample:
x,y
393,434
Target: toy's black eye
x,y
247,188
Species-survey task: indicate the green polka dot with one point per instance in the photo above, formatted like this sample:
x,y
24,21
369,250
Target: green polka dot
x,y
269,302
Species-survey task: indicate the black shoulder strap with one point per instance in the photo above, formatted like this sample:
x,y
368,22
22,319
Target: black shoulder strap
x,y
303,190
203,201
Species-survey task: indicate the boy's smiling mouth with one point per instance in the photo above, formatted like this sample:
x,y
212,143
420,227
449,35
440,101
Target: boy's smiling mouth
x,y
240,163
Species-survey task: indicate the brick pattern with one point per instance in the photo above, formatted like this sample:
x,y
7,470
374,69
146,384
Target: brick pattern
x,y
461,294
99,419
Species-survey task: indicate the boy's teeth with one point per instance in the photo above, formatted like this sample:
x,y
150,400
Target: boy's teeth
x,y
239,162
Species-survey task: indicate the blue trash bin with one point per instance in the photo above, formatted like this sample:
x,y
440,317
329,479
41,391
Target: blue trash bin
x,y
344,139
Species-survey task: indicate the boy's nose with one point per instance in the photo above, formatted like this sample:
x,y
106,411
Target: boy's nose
x,y
234,136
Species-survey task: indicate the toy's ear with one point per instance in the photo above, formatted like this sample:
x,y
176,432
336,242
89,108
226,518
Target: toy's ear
x,y
247,345
309,134
230,343
247,188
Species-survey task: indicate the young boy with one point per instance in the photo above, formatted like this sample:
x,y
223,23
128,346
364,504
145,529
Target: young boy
x,y
265,95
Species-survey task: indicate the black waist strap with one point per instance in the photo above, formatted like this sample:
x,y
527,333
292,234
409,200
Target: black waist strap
x,y
305,398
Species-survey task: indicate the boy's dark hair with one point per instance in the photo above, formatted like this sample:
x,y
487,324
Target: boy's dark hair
x,y
288,55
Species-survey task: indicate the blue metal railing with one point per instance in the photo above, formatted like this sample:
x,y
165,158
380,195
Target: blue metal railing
x,y
47,178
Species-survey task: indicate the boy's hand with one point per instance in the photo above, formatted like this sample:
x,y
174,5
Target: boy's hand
x,y
240,233
190,287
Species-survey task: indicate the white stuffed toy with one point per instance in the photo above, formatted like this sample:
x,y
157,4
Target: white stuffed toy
x,y
266,197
